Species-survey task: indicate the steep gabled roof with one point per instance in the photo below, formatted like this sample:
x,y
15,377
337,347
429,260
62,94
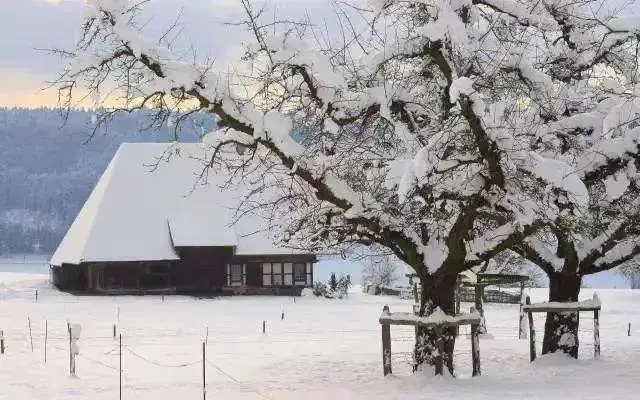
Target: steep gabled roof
x,y
142,208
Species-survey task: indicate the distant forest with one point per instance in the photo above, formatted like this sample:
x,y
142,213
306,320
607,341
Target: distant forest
x,y
48,167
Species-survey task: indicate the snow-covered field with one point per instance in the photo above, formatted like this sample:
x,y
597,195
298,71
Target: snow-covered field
x,y
323,349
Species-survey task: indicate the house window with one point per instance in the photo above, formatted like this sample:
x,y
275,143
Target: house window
x,y
236,274
300,273
276,268
266,274
284,274
277,279
288,274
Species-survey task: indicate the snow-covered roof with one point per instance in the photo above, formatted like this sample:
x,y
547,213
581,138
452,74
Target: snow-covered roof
x,y
141,209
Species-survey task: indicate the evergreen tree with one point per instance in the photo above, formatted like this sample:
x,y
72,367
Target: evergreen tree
x,y
333,282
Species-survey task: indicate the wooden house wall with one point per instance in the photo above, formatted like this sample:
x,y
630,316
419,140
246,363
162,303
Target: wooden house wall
x,y
69,277
200,270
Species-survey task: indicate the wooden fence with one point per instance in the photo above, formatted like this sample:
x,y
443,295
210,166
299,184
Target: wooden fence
x,y
556,307
437,321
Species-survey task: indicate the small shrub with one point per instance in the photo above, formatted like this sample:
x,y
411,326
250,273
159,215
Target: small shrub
x,y
319,289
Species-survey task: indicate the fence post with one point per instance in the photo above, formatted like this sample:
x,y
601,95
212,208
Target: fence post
x,y
475,348
457,294
629,330
120,383
204,380
70,351
440,347
532,333
596,333
386,344
30,335
36,295
46,336
1,342
522,327
114,331
479,294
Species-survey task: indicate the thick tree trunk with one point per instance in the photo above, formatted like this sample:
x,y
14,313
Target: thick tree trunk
x,y
436,292
561,329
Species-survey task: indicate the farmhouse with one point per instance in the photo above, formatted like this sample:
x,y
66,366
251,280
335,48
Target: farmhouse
x,y
149,227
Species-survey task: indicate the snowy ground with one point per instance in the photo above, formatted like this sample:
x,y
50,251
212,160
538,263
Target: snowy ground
x,y
323,349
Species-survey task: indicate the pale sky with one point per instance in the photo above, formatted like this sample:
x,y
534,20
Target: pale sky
x,y
29,25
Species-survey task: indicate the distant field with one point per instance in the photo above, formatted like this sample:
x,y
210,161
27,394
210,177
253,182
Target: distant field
x,y
323,349
27,264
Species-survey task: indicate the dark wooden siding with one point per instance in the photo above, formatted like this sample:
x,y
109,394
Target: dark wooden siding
x,y
69,277
202,269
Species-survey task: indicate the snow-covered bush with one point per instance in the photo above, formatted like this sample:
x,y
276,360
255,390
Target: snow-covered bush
x,y
319,289
307,292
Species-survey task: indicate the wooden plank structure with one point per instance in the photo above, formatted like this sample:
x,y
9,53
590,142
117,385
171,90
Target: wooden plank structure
x,y
436,321
557,307
478,295
483,280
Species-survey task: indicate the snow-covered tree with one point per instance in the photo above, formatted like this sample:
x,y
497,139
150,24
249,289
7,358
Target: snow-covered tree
x,y
379,268
631,271
447,131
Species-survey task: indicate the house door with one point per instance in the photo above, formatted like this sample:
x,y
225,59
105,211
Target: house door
x,y
254,274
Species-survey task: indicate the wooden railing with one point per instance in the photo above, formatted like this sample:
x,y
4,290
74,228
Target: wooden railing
x,y
436,321
556,307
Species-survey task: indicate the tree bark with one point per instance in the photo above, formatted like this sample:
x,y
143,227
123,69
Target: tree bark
x,y
437,291
561,329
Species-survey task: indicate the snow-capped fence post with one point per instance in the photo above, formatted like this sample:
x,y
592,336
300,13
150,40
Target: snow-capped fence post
x,y
629,330
386,344
532,333
1,342
522,327
475,347
114,331
30,334
264,327
74,335
596,328
36,295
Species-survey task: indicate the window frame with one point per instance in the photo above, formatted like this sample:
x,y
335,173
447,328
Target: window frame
x,y
231,280
297,276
